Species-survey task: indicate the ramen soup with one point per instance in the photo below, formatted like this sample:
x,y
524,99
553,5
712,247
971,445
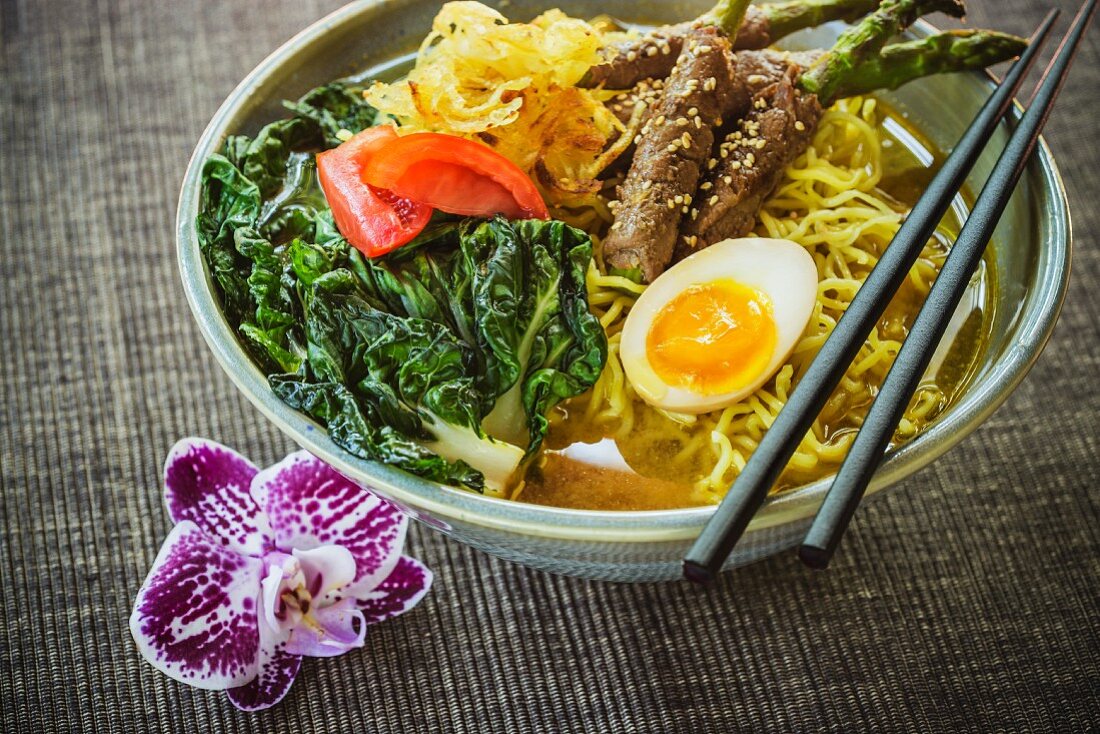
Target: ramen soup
x,y
609,450
562,263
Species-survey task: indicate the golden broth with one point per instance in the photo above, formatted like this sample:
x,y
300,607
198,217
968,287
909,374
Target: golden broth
x,y
592,465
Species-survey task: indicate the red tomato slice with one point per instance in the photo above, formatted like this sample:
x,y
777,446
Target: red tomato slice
x,y
374,220
455,175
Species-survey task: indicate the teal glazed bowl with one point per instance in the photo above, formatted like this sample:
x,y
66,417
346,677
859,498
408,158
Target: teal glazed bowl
x,y
1031,263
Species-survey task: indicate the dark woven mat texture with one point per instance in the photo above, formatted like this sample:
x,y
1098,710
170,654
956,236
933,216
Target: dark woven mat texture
x,y
966,601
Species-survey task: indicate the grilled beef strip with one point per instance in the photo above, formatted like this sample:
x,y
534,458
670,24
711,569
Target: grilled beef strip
x,y
749,161
644,220
653,55
672,149
753,70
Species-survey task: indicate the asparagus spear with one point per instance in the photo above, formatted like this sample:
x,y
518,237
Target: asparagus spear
x,y
783,19
944,52
863,41
751,27
728,16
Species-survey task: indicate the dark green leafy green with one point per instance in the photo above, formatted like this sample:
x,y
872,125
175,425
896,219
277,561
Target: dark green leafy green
x,y
443,357
229,201
335,107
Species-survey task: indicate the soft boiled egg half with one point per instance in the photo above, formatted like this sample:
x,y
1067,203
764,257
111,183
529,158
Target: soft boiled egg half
x,y
717,325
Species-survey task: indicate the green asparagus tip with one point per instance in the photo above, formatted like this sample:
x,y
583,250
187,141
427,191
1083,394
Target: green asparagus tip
x,y
899,63
861,43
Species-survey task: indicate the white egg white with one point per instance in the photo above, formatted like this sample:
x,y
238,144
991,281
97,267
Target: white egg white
x,y
783,270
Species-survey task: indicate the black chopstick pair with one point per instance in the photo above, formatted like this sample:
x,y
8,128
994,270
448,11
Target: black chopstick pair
x,y
748,493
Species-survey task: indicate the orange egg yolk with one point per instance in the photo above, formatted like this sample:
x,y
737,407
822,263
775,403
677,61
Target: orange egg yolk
x,y
712,338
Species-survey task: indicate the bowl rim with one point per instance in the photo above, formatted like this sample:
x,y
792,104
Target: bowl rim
x,y
1036,319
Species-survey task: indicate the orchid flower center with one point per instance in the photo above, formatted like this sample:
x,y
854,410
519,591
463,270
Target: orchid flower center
x,y
296,602
301,584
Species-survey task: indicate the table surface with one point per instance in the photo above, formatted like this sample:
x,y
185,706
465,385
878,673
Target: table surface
x,y
967,600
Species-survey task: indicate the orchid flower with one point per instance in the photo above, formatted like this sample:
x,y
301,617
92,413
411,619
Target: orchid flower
x,y
265,567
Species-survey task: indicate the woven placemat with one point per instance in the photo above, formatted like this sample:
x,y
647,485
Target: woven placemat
x,y
964,601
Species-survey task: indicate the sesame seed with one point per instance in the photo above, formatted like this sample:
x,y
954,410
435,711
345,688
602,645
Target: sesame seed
x,y
686,140
666,49
748,164
706,186
631,56
712,164
617,225
750,158
651,51
617,107
671,148
705,49
698,122
799,126
621,96
679,199
660,120
681,122
728,179
684,209
756,78
637,139
646,184
687,199
694,213
713,200
724,153
693,112
671,205
735,165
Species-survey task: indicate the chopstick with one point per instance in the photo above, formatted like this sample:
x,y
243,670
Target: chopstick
x,y
750,490
905,375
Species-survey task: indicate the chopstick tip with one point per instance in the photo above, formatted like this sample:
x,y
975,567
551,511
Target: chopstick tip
x,y
697,573
814,557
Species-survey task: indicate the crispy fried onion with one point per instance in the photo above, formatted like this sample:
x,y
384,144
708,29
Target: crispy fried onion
x,y
512,87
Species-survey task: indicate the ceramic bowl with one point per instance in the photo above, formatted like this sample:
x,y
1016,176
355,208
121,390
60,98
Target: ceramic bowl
x,y
1031,260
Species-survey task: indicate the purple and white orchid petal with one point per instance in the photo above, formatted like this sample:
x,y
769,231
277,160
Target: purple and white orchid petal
x,y
400,592
327,569
269,687
196,616
329,631
277,669
310,505
208,484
